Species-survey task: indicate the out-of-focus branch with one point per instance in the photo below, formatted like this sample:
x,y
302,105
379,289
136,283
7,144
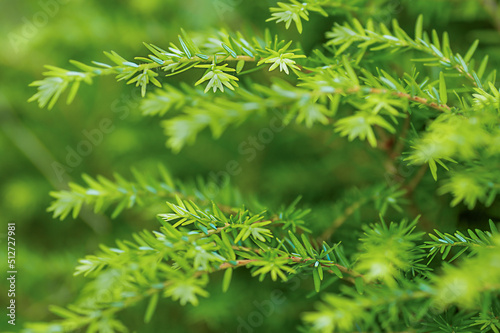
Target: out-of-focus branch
x,y
491,7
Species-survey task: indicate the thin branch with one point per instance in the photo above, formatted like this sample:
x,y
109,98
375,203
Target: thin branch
x,y
410,187
337,223
154,65
400,143
417,99
343,269
491,7
380,91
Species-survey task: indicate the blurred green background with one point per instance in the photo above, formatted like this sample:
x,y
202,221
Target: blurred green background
x,y
312,162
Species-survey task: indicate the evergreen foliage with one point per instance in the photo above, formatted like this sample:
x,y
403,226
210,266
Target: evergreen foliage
x,y
407,94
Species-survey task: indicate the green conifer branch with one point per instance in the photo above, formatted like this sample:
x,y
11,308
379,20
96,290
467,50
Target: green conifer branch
x,y
373,39
443,243
175,60
205,247
383,308
102,193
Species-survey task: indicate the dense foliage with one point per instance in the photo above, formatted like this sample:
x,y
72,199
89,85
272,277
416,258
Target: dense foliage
x,y
389,121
